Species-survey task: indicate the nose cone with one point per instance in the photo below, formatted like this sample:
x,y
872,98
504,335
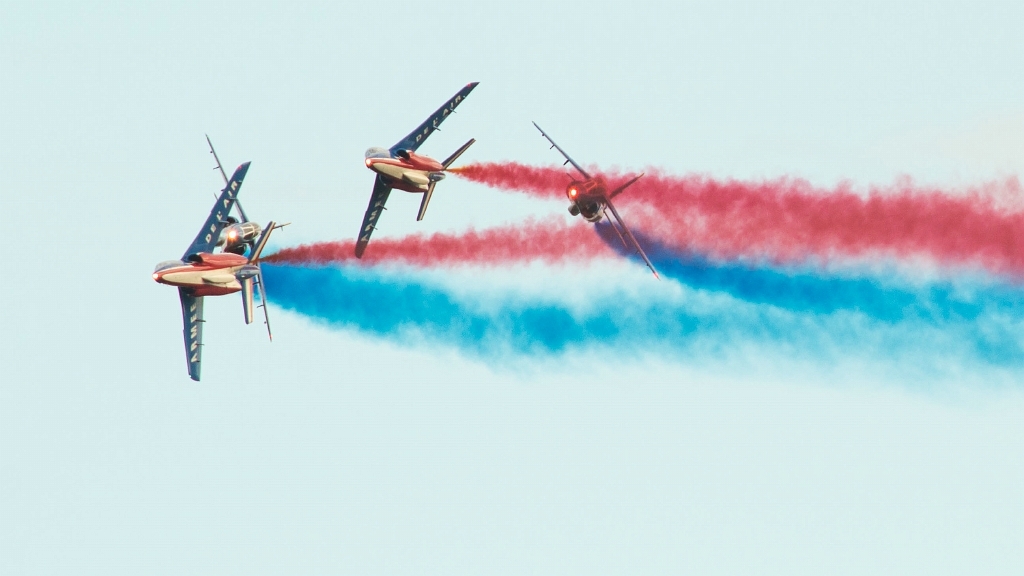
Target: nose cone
x,y
378,165
164,268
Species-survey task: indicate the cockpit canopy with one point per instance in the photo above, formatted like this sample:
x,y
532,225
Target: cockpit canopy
x,y
378,153
168,264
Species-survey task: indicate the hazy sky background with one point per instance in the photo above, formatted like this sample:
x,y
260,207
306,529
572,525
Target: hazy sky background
x,y
331,452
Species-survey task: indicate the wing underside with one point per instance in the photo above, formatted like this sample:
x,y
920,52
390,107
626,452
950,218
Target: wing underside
x,y
192,318
381,191
632,239
568,159
420,134
206,240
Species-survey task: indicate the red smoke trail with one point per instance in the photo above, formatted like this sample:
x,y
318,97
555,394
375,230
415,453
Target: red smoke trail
x,y
546,182
791,220
549,241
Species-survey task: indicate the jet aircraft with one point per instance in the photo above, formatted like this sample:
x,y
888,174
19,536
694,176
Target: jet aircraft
x,y
201,272
400,167
590,197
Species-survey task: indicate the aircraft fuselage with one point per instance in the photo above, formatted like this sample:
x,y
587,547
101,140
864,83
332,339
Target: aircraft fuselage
x,y
588,198
408,171
207,275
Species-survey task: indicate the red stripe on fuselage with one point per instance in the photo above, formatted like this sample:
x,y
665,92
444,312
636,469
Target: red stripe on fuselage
x,y
208,262
416,163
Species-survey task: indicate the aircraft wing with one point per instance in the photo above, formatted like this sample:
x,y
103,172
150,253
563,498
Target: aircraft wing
x,y
192,317
238,205
381,191
568,159
420,134
206,240
632,238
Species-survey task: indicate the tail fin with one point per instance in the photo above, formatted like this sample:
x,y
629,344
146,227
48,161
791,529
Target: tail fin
x,y
262,242
425,201
430,189
248,284
457,153
619,190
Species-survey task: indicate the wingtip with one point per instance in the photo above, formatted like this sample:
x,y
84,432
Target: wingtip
x,y
472,85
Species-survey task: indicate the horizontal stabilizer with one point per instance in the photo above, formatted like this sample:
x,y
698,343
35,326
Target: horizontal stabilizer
x,y
262,242
247,299
619,190
425,201
455,156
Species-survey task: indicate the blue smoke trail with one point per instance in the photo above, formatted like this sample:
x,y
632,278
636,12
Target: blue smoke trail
x,y
814,316
811,291
992,312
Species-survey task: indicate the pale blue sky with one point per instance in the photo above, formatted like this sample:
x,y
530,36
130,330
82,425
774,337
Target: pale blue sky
x,y
330,452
